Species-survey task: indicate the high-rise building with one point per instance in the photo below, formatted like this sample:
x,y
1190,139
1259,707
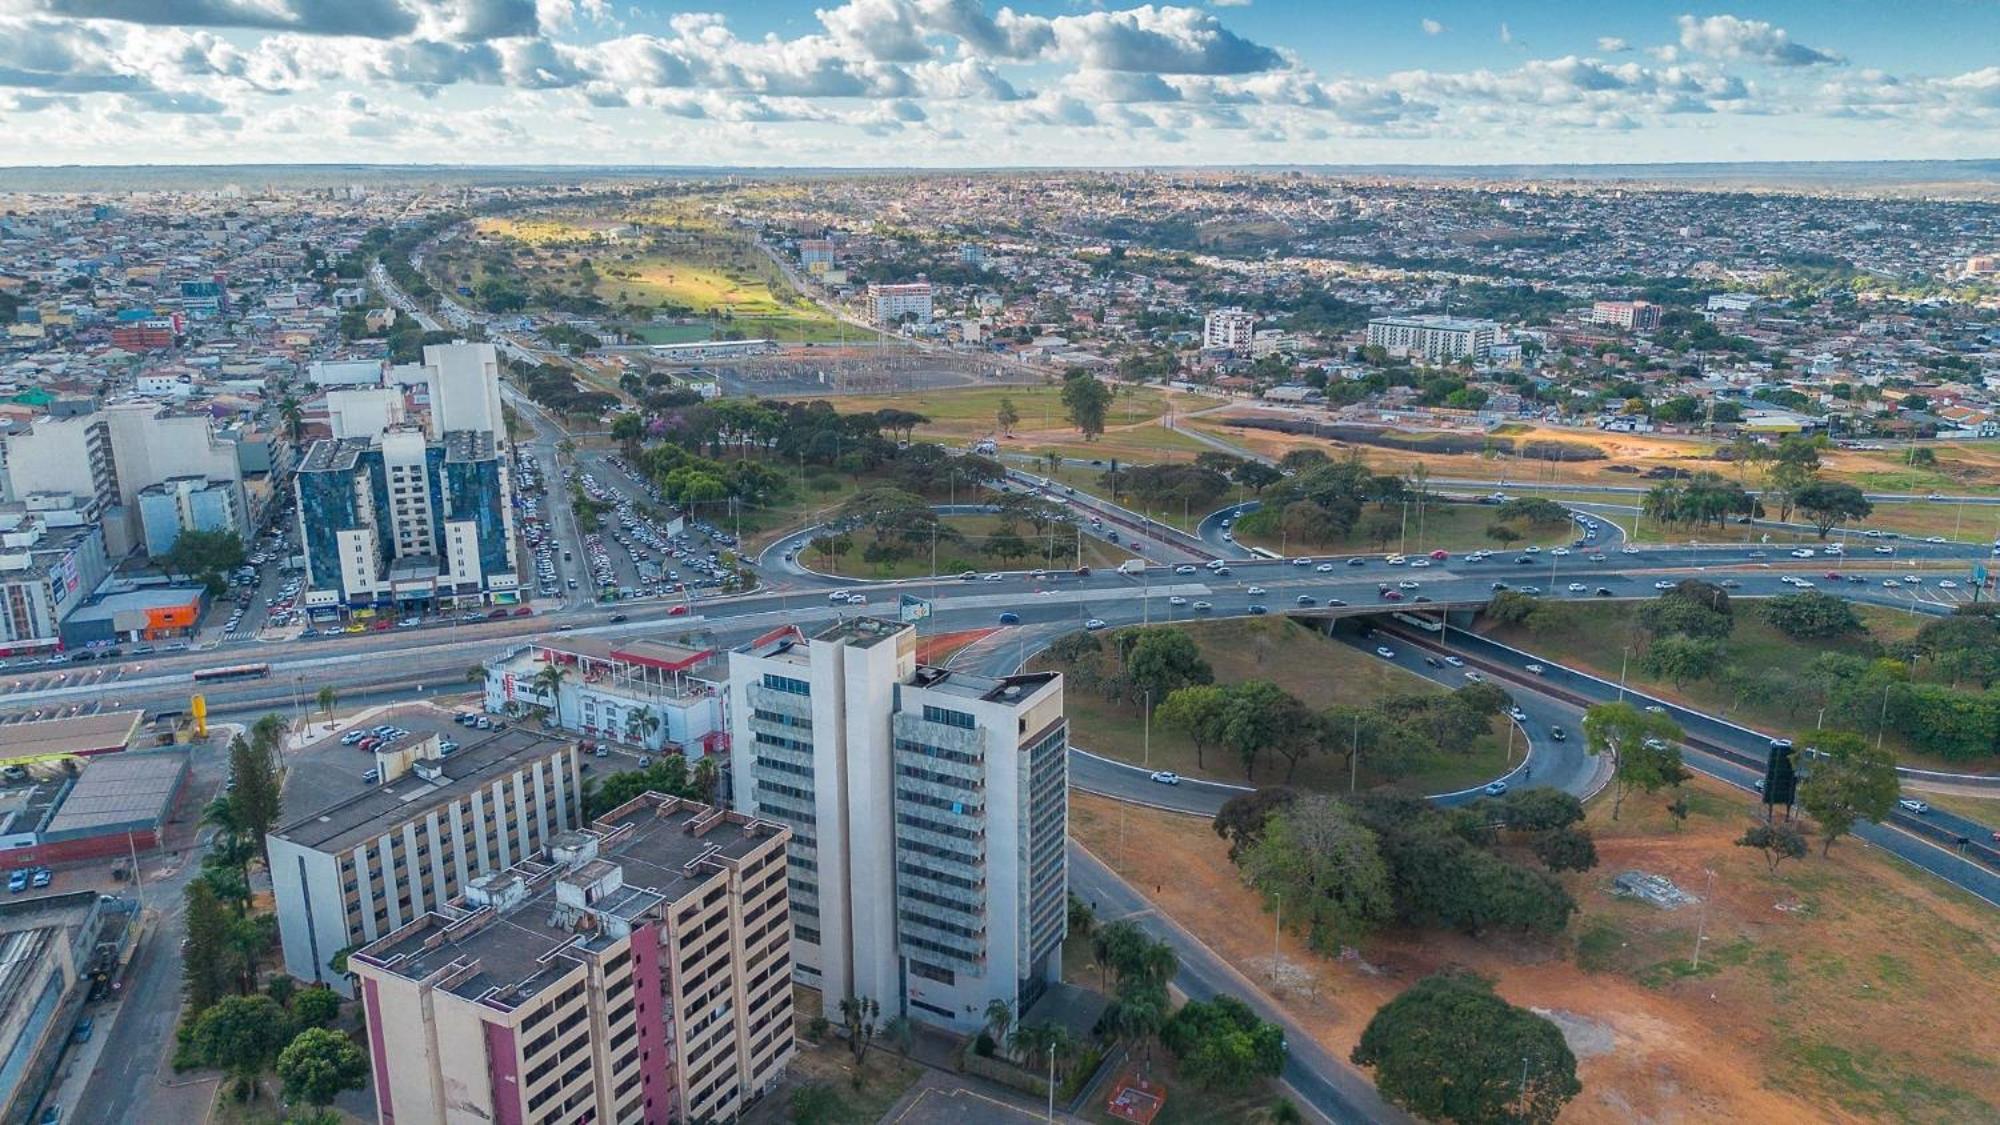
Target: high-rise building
x,y
891,304
1434,337
1633,316
404,522
113,454
186,504
928,810
464,389
356,860
635,972
1231,329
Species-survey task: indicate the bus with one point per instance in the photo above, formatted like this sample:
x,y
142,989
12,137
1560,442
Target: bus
x,y
232,672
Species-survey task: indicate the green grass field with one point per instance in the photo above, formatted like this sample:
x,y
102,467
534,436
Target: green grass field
x,y
1594,636
955,558
673,333
1448,527
1320,672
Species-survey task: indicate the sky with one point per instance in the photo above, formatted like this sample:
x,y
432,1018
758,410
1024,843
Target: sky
x,y
974,83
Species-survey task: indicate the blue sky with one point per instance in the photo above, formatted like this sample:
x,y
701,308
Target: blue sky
x,y
976,83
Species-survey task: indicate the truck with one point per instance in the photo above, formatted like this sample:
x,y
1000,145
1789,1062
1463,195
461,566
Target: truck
x,y
1132,566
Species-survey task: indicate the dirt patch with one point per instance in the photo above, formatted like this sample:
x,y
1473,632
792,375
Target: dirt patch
x,y
1830,1011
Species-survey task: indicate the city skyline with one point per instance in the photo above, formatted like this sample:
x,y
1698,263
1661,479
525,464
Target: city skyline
x,y
965,83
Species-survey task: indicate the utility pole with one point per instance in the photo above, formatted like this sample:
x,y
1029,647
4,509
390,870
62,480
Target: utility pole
x,y
1701,929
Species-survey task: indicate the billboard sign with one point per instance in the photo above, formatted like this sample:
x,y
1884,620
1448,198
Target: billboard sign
x,y
914,609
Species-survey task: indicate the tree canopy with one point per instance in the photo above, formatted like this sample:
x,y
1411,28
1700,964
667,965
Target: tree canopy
x,y
1448,1049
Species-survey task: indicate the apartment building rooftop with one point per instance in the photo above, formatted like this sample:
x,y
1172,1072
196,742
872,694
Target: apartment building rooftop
x,y
511,935
861,632
333,455
469,445
987,689
328,806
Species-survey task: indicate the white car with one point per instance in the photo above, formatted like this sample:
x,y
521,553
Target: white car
x,y
1516,714
1803,553
1892,583
1947,584
1628,549
1454,661
1934,539
1177,600
1094,624
1324,568
1165,777
1911,805
857,599
995,576
1302,561
1834,549
1184,568
1408,584
1664,584
1473,675
1536,669
1560,552
1534,550
1577,587
1203,606
1253,591
1884,549
1395,560
1419,563
839,596
1385,652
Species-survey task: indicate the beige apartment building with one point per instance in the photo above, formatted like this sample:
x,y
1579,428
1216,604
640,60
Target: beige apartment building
x,y
357,858
638,971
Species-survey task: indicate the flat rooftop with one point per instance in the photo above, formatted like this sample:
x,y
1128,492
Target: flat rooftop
x,y
83,734
661,655
133,601
30,930
327,805
989,689
119,790
861,632
333,454
514,951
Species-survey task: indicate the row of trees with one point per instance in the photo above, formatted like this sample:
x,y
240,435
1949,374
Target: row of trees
x,y
231,1021
1323,501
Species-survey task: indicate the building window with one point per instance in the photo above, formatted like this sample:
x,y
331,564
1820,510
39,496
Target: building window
x,y
947,717
787,684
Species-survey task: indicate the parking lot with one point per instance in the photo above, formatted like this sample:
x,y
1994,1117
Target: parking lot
x,y
631,551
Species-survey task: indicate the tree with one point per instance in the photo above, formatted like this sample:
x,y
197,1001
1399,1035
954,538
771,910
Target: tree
x,y
1810,614
629,429
1829,504
1007,416
257,797
1779,842
1222,1045
317,1065
1251,718
859,1016
241,1035
1087,400
203,554
1565,849
1256,476
999,1017
1196,711
1640,745
1317,860
1241,820
1448,1049
208,964
293,417
1849,780
326,697
1160,661
1681,658
316,1006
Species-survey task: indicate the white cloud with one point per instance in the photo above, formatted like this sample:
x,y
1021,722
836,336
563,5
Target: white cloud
x,y
1727,37
1431,26
1612,45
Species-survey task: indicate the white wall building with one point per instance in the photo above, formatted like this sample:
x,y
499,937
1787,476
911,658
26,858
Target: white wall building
x,y
891,303
928,810
1231,329
1434,337
644,693
464,389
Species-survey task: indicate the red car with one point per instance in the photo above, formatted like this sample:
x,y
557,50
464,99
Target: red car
x,y
381,625
496,615
678,611
1392,595
523,611
1440,555
1833,576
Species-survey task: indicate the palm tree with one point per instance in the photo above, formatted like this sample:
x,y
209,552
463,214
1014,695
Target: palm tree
x,y
706,779
549,682
999,1015
293,416
641,725
230,844
476,674
327,697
